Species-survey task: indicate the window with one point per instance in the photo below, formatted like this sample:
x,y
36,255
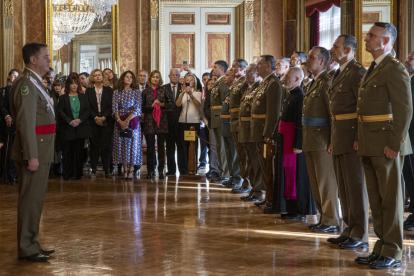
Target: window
x,y
329,26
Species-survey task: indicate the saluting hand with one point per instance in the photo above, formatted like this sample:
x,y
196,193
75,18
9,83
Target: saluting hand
x,y
33,164
390,153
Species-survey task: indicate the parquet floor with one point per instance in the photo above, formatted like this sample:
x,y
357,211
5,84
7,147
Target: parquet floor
x,y
171,227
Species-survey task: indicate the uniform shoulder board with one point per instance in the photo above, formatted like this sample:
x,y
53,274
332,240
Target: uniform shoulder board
x,y
395,60
327,77
357,64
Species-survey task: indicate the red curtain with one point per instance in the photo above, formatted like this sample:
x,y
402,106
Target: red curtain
x,y
321,7
314,30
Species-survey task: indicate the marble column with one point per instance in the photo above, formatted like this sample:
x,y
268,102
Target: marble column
x,y
249,30
154,35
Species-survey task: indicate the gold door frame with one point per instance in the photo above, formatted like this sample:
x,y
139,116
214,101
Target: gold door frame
x,y
115,34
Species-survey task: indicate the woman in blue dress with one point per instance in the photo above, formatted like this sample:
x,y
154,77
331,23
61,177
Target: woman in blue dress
x,y
126,106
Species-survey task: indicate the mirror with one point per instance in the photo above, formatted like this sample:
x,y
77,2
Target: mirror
x,y
95,48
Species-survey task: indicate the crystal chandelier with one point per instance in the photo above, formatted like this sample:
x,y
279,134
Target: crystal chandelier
x,y
102,7
60,40
72,17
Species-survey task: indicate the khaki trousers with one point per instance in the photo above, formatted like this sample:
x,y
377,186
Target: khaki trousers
x,y
221,153
31,197
259,187
353,195
242,158
252,164
323,185
383,177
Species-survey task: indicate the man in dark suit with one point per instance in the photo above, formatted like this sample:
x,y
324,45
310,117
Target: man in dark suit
x,y
408,168
173,89
142,84
102,126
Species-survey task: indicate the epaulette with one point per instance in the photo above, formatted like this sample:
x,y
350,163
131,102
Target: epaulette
x,y
327,77
27,75
395,60
357,64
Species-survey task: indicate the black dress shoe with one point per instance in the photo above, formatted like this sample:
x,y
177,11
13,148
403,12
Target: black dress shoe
x,y
219,179
260,203
241,190
201,167
149,175
252,199
385,263
291,216
244,197
325,229
409,227
367,260
170,173
46,252
160,175
409,220
212,174
314,225
352,244
233,185
36,258
337,240
225,183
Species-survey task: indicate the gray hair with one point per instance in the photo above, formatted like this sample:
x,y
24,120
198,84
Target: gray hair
x,y
241,63
389,30
350,41
298,72
271,60
285,60
174,69
323,53
142,70
301,56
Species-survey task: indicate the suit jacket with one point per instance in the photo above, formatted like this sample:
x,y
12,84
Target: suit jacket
x,y
106,106
65,114
385,91
343,96
267,103
245,113
316,105
217,96
5,105
411,129
150,126
225,117
206,107
174,114
236,92
30,108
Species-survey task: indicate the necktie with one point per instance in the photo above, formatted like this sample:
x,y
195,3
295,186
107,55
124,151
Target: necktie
x,y
371,68
336,74
174,93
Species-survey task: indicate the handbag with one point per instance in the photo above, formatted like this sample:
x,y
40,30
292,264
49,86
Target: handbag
x,y
125,133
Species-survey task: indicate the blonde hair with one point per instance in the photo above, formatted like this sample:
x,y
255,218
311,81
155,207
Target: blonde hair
x,y
195,81
91,82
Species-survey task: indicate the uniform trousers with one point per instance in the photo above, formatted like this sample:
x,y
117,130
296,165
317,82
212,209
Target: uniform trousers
x,y
221,153
352,194
204,147
323,185
242,158
232,160
383,176
101,143
212,153
29,211
259,188
252,164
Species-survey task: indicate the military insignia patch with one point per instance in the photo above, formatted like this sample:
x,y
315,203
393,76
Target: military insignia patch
x,y
24,90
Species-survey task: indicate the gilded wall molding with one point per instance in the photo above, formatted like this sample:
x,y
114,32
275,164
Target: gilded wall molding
x,y
154,9
249,10
8,8
358,27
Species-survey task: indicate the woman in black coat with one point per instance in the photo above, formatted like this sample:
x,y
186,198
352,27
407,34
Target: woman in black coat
x,y
73,111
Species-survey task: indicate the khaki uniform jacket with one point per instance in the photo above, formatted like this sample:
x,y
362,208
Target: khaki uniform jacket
x,y
343,96
225,122
245,115
29,109
236,93
217,95
267,105
316,105
385,91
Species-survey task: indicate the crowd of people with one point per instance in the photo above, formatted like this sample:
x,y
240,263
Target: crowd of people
x,y
336,130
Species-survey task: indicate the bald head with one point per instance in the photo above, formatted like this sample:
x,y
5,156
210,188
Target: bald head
x,y
229,77
293,77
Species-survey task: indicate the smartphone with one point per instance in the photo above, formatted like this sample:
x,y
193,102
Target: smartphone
x,y
185,63
187,84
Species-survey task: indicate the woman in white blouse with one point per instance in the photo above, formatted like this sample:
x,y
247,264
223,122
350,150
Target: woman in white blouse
x,y
190,101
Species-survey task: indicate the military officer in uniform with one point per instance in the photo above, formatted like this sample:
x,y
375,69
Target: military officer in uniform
x,y
316,138
236,92
384,112
249,148
265,112
343,96
33,149
217,96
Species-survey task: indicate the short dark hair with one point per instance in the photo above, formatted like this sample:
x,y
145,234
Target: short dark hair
x,y
121,84
323,53
389,29
271,60
86,74
350,41
222,64
301,55
152,74
32,49
206,74
12,71
51,70
242,63
69,81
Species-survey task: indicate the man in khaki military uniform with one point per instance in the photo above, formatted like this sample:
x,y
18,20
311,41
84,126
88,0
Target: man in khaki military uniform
x,y
343,96
236,92
33,149
217,96
384,112
252,156
265,112
316,138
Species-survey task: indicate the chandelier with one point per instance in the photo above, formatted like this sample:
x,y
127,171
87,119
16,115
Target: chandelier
x,y
60,40
72,17
102,7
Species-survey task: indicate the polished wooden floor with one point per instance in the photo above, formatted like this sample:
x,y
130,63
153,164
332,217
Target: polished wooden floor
x,y
170,227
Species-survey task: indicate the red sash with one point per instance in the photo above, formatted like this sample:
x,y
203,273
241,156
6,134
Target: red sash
x,y
43,130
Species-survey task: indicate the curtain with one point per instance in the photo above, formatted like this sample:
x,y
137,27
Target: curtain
x,y
329,26
322,6
314,30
